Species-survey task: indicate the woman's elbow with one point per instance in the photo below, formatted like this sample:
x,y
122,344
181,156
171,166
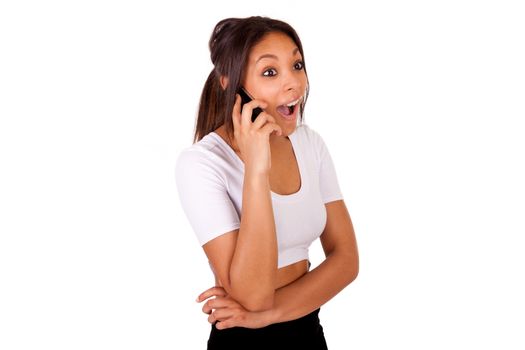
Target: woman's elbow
x,y
256,305
353,274
352,268
257,302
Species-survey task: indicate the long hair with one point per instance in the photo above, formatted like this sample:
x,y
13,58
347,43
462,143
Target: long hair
x,y
230,45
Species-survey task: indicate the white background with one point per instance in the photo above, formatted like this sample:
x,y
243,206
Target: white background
x,y
422,107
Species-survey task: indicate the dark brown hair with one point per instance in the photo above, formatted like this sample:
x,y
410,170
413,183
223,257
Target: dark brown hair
x,y
230,45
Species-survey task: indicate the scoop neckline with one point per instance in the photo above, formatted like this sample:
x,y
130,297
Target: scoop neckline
x,y
298,158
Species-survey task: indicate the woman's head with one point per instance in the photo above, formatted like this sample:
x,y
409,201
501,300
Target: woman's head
x,y
263,55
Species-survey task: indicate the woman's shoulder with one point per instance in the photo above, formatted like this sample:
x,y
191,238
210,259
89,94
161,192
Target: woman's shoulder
x,y
199,151
207,154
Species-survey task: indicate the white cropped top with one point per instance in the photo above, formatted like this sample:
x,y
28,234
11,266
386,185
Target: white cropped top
x,y
209,177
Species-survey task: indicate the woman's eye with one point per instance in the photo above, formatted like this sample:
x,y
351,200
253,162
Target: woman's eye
x,y
270,72
299,65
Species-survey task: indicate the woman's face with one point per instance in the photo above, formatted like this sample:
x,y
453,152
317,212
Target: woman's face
x,y
275,74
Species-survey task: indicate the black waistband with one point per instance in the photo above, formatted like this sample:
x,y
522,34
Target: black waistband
x,y
312,319
304,332
309,321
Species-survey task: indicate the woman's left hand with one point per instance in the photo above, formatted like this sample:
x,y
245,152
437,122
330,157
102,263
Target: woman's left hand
x,y
228,313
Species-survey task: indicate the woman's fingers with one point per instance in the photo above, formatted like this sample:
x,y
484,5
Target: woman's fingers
x,y
220,315
263,120
226,312
247,110
228,323
252,137
212,292
217,303
236,114
242,118
271,127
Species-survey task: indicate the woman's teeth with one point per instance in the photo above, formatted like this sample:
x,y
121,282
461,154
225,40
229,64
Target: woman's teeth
x,y
291,104
288,110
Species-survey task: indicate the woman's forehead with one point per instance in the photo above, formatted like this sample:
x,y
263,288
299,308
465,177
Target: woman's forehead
x,y
273,44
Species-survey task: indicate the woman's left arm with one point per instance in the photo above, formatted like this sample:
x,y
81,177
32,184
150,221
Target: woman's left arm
x,y
307,293
338,270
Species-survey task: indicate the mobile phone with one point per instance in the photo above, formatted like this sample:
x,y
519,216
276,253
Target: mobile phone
x,y
245,98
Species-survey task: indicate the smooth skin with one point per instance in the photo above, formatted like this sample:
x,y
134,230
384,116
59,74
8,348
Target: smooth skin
x,y
250,290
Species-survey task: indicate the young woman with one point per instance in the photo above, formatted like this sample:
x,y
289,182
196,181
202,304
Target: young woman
x,y
258,193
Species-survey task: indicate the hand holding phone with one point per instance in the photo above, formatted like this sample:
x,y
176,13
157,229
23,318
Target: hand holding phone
x,y
245,98
253,140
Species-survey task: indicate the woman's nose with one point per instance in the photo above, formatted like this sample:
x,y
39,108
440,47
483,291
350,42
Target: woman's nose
x,y
292,81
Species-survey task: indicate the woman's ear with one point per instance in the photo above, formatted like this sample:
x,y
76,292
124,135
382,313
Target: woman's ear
x,y
224,82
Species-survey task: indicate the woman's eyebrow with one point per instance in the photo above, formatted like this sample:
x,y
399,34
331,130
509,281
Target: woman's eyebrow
x,y
269,55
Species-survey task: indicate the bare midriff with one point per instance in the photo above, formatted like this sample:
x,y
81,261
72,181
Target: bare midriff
x,y
285,275
291,273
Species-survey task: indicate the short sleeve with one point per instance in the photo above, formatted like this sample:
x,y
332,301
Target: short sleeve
x,y
328,183
203,196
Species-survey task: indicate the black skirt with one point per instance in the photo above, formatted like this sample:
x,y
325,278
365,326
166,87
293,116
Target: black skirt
x,y
303,333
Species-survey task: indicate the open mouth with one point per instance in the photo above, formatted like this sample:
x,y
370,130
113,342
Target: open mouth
x,y
288,110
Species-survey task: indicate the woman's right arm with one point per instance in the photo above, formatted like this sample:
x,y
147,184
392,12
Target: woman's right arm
x,y
245,260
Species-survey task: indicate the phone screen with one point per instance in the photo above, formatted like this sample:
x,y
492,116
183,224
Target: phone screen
x,y
245,98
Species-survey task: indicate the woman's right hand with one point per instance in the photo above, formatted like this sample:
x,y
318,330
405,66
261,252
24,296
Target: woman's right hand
x,y
225,312
253,138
